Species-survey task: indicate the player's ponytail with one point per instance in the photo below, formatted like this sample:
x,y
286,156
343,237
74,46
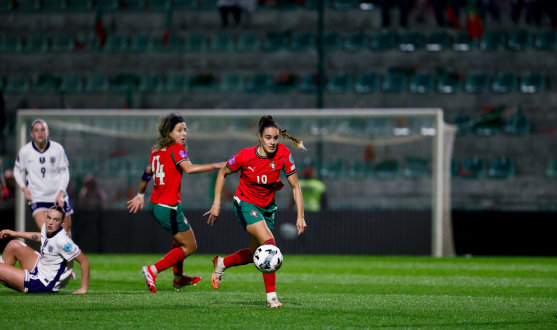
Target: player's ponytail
x,y
268,121
165,126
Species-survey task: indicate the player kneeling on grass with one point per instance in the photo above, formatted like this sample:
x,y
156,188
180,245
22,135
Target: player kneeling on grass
x,y
48,271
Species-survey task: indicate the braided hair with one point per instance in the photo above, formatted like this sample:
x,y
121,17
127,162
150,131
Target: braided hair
x,y
268,121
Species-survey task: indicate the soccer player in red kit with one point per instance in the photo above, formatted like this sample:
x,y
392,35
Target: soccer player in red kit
x,y
254,201
169,159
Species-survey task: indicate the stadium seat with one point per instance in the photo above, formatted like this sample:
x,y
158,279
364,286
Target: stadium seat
x,y
141,43
195,43
89,42
476,83
137,165
379,127
387,169
62,43
464,124
71,84
258,83
421,83
108,5
395,82
232,82
285,82
463,43
438,41
176,83
159,5
360,170
53,5
331,41
79,5
448,83
35,44
367,82
124,82
150,84
474,168
519,40
501,168
504,82
383,40
355,42
27,5
551,171
455,168
132,4
546,40
344,4
46,83
532,83
10,44
517,124
302,41
340,82
116,43
488,127
248,42
333,168
115,167
309,83
17,83
416,168
492,40
174,43
203,82
275,41
96,84
221,42
410,41
86,165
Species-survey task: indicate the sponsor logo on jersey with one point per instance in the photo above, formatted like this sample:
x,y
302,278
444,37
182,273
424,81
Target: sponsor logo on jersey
x,y
52,160
183,154
253,213
42,160
291,159
252,169
272,164
232,160
68,247
50,249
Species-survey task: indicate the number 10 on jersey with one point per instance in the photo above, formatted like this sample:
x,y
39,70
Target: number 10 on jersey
x,y
158,170
262,180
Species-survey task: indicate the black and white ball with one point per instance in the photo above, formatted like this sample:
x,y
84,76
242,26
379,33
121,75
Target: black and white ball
x,y
267,258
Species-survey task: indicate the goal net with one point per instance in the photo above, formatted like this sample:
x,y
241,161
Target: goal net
x,y
386,174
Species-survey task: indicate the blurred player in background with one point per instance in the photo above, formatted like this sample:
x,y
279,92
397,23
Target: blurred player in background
x,y
48,271
169,159
254,201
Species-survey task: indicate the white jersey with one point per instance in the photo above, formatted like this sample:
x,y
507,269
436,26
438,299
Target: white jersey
x,y
54,266
43,170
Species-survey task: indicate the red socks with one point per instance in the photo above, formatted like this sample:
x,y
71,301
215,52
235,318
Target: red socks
x,y
238,258
270,279
178,268
171,258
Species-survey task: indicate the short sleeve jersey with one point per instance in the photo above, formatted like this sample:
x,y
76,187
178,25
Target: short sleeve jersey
x,y
54,267
167,174
42,169
260,175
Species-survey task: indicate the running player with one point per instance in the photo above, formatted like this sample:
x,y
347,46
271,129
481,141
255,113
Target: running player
x,y
48,271
254,201
169,159
47,175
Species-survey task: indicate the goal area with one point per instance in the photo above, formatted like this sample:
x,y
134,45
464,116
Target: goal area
x,y
386,174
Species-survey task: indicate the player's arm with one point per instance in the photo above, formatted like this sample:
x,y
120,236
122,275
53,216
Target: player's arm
x,y
6,233
297,193
137,202
219,184
64,180
190,168
85,272
18,176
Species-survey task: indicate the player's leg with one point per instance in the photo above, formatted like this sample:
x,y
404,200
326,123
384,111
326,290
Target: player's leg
x,y
12,277
185,241
40,218
19,251
68,225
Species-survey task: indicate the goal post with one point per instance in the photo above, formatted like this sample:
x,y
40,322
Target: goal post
x,y
343,133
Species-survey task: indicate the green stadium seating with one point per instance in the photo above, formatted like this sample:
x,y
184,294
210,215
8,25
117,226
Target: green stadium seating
x,y
421,83
517,124
207,5
116,43
62,43
331,41
96,84
174,44
344,4
474,168
383,40
124,82
28,5
248,42
410,41
463,43
115,167
232,82
464,124
160,5
546,40
387,169
438,41
355,42
492,40
176,83
285,82
35,44
53,5
71,84
476,83
532,83
519,40
79,5
312,4
448,83
333,168
501,168
185,4
395,82
195,43
340,82
379,127
367,82
258,83
302,41
132,4
455,168
221,42
46,83
150,84
309,83
203,82
108,5
10,44
86,165
360,170
17,83
488,127
504,82
416,168
551,171
141,43
275,41
137,166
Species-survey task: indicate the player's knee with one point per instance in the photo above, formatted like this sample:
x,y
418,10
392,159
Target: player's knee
x,y
13,246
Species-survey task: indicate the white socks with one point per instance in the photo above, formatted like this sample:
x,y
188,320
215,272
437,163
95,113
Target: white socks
x,y
220,264
154,270
272,295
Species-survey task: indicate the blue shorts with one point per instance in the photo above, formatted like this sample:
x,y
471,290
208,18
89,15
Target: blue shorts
x,y
33,284
44,206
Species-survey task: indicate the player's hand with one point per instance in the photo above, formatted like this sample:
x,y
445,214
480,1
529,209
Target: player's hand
x,y
135,204
213,214
301,225
219,165
6,233
59,199
27,193
81,291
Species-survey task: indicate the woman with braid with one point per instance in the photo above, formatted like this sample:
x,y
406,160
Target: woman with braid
x,y
254,201
169,159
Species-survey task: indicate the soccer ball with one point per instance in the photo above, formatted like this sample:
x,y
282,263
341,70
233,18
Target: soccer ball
x,y
267,258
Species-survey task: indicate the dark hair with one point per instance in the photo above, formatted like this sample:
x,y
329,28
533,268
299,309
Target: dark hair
x,y
165,126
268,121
38,121
59,209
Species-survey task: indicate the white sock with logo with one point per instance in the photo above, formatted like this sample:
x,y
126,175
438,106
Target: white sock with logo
x,y
272,295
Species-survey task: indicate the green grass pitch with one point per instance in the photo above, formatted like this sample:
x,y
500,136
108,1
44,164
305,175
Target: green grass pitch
x,y
317,292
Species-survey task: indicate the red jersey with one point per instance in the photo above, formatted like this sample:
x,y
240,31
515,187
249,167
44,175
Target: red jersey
x,y
259,179
167,174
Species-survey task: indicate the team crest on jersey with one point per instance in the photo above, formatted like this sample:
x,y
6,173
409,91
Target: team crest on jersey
x,y
50,249
183,154
42,160
186,221
291,159
232,160
253,213
52,160
68,247
272,164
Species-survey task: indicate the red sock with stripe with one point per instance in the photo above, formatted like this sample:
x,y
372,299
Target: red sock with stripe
x,y
170,259
178,268
238,258
270,279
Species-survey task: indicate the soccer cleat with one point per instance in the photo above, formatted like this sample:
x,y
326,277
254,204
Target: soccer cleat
x,y
73,276
274,303
217,275
150,278
186,280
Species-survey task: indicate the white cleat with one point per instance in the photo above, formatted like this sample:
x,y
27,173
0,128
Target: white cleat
x,y
216,278
274,303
